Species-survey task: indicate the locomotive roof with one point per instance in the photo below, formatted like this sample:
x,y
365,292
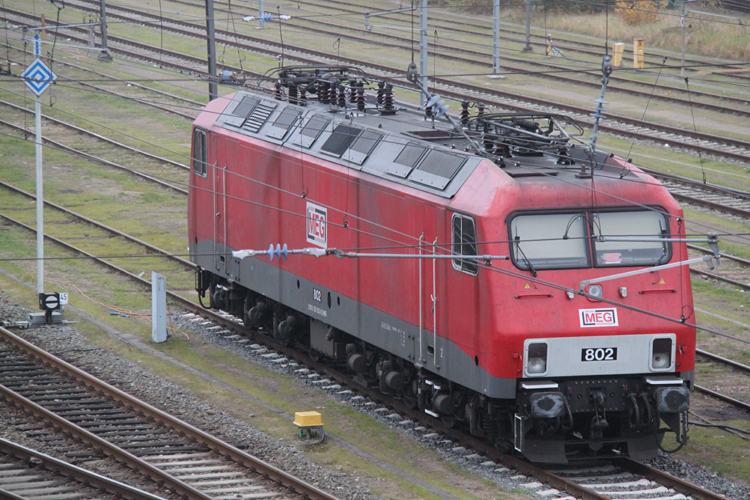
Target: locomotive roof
x,y
399,144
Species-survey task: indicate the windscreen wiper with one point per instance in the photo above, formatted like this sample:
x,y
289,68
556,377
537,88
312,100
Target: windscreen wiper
x,y
525,260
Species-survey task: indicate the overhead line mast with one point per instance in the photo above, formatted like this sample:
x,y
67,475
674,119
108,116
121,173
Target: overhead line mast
x,y
213,91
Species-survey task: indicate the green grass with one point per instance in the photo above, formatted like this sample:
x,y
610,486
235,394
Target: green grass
x,y
720,451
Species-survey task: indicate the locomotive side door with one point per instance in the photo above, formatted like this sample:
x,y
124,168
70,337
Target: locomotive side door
x,y
218,169
429,341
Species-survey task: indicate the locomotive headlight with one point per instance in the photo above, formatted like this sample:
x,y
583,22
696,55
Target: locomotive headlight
x,y
661,354
536,359
596,291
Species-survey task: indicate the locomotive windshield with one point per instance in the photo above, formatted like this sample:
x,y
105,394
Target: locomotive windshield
x,y
630,253
567,240
538,241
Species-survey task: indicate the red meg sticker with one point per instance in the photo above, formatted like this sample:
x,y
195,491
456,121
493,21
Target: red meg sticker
x,y
598,317
317,233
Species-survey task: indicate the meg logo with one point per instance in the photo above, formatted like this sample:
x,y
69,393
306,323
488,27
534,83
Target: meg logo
x,y
317,231
598,317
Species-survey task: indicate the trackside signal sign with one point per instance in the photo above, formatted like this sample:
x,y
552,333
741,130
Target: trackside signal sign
x,y
598,317
317,229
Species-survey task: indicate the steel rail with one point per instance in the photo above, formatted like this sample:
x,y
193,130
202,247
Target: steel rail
x,y
712,205
104,227
97,136
480,91
110,77
723,360
235,325
723,255
158,106
508,95
442,52
596,48
697,201
705,203
667,479
187,304
7,495
80,475
234,35
718,277
223,448
538,473
91,439
704,186
83,154
723,397
495,92
490,451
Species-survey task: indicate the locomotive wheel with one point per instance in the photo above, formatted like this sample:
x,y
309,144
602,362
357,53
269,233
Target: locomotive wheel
x,y
449,422
314,354
249,303
409,394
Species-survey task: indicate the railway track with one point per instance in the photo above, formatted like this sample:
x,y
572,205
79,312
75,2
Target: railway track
x,y
183,458
715,197
557,71
100,137
26,473
83,154
447,22
742,368
617,125
629,126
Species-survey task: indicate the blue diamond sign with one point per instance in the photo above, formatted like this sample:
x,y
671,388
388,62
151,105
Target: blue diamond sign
x,y
38,77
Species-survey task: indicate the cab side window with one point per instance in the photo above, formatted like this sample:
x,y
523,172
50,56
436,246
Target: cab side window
x,y
200,155
464,242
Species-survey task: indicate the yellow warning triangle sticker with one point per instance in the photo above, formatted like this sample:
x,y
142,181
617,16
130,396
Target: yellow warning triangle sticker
x,y
527,286
662,282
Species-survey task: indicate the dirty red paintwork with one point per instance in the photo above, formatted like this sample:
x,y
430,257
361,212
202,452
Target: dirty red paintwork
x,y
488,315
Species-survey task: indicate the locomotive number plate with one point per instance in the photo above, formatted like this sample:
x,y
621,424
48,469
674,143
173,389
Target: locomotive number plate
x,y
599,354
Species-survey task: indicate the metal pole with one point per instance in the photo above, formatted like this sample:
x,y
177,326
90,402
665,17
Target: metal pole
x,y
39,200
682,21
528,27
421,311
105,52
434,310
261,13
92,43
496,37
423,47
213,91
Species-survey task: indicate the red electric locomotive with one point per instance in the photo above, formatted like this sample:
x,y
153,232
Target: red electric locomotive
x,y
480,269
